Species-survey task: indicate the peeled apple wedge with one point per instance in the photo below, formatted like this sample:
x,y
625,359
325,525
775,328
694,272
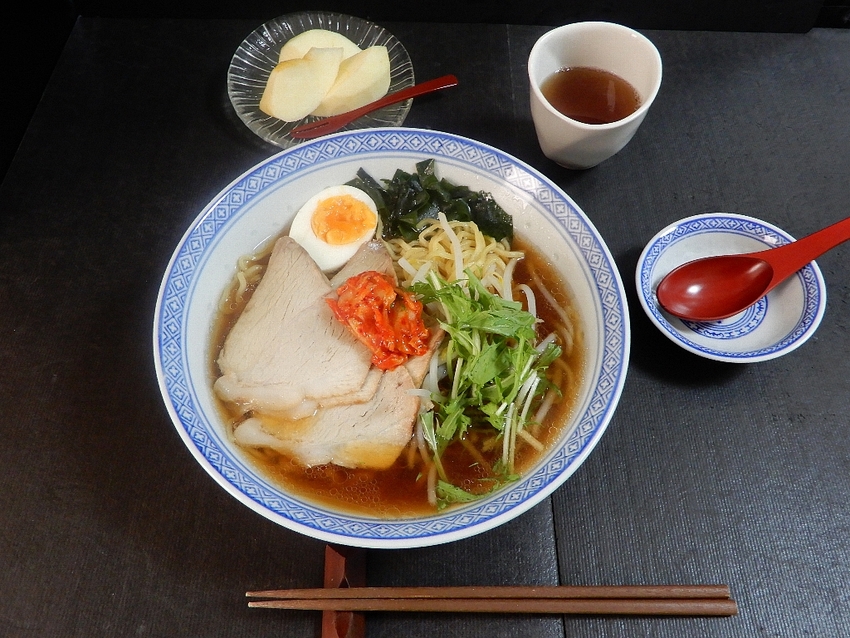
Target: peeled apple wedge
x,y
298,46
362,78
296,87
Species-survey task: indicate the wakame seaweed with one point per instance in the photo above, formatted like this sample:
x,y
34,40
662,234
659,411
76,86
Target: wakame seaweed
x,y
406,200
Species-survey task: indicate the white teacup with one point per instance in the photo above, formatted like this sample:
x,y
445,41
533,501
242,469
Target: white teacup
x,y
601,45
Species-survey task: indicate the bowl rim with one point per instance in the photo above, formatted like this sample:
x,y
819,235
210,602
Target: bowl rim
x,y
456,523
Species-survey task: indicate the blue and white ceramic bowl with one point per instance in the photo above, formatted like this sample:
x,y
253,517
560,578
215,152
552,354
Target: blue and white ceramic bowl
x,y
261,203
777,324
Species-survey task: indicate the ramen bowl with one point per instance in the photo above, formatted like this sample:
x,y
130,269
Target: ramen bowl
x,y
260,203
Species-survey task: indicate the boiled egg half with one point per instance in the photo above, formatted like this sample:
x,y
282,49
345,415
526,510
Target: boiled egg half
x,y
333,224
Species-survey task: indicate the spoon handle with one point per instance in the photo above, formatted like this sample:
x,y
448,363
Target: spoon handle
x,y
791,257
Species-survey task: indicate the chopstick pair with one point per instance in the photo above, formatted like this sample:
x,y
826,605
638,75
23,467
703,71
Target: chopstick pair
x,y
645,600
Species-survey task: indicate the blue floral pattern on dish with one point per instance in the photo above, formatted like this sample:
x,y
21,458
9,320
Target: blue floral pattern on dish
x,y
735,327
746,322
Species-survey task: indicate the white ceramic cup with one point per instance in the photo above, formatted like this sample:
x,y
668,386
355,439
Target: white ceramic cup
x,y
601,45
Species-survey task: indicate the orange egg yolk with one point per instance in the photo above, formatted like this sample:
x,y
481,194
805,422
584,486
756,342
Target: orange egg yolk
x,y
341,220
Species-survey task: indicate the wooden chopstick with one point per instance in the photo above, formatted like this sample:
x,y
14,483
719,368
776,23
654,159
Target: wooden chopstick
x,y
506,591
613,606
664,600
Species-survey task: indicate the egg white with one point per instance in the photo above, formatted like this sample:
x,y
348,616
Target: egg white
x,y
329,257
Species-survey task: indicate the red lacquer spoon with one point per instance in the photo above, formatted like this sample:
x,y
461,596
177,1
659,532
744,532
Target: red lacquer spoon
x,y
717,287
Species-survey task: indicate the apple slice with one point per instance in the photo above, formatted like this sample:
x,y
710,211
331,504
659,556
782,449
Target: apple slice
x,y
296,87
298,46
362,78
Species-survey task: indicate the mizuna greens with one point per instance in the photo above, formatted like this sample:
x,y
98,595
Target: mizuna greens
x,y
495,366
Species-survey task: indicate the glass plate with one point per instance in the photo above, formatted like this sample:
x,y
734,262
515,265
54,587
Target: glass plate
x,y
258,54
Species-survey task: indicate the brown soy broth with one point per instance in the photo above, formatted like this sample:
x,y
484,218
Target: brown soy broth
x,y
552,428
590,95
401,490
391,493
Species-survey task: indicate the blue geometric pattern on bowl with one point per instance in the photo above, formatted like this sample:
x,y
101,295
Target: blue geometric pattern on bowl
x,y
170,336
770,236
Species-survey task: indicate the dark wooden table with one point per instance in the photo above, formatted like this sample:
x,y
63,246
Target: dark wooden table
x,y
709,472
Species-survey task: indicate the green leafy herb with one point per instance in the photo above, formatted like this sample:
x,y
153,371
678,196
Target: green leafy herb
x,y
496,370
408,199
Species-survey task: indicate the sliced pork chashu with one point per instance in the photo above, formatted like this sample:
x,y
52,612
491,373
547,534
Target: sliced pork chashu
x,y
372,255
357,435
418,365
282,360
287,348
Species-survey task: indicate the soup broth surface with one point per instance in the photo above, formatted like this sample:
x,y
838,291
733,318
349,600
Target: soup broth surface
x,y
400,491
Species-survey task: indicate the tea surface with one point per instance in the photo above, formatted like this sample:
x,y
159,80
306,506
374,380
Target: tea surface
x,y
590,95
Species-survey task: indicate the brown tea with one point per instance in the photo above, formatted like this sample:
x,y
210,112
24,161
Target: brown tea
x,y
589,95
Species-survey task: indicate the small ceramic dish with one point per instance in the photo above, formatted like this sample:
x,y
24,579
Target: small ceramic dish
x,y
777,324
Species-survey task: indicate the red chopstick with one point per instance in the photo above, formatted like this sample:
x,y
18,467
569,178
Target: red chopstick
x,y
336,122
